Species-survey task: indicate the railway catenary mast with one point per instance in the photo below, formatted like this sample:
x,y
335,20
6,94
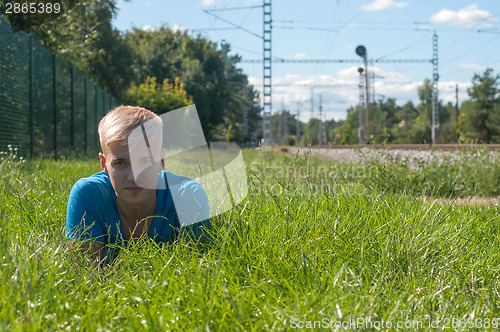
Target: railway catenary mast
x,y
267,73
267,77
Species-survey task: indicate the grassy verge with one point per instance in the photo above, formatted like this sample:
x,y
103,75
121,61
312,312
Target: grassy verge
x,y
298,249
464,174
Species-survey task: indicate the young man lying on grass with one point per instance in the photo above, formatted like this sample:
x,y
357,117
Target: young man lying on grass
x,y
131,197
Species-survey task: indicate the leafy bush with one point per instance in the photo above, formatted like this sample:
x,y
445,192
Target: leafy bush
x,y
160,98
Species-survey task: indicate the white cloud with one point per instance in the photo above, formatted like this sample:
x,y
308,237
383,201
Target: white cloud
x,y
473,66
209,2
350,74
177,27
292,77
378,5
300,56
467,16
340,91
256,82
149,28
447,91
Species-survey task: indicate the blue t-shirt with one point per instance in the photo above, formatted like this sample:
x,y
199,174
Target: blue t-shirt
x,y
93,215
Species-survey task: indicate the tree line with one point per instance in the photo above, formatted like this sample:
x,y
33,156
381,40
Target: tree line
x,y
164,69
476,120
159,69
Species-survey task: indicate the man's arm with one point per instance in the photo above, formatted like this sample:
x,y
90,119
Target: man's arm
x,y
193,211
84,232
94,251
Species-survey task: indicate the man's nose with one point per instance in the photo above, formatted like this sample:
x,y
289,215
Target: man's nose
x,y
130,175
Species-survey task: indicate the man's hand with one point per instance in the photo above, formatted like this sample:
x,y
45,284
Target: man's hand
x,y
93,251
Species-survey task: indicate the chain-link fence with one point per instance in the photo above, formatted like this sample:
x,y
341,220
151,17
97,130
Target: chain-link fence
x,y
47,107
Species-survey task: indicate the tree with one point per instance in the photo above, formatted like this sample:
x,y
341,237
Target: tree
x,y
310,135
400,128
383,115
420,130
241,98
348,132
208,74
448,130
480,117
159,98
86,39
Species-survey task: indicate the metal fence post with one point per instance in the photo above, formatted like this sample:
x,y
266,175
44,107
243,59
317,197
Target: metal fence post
x,y
72,117
103,111
31,93
95,112
54,97
85,117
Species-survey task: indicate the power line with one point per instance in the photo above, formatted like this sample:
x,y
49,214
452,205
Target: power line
x,y
245,49
475,49
304,28
349,21
233,8
411,45
279,60
214,29
225,6
326,85
233,24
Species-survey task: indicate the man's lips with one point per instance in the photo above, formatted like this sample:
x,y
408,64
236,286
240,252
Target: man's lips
x,y
134,188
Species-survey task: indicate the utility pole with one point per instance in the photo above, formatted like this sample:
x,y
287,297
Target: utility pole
x,y
280,122
367,104
297,129
435,78
320,125
361,51
285,126
457,111
372,83
312,102
246,94
361,108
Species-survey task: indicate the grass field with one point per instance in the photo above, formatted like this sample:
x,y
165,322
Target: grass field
x,y
315,244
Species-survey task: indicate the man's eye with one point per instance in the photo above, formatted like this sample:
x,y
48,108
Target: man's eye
x,y
119,164
145,162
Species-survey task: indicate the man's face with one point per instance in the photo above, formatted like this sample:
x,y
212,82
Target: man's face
x,y
117,164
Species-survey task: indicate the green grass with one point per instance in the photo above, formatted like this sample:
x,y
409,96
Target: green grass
x,y
303,246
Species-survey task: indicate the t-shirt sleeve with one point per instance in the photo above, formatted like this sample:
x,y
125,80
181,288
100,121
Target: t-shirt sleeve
x,y
194,213
81,217
191,203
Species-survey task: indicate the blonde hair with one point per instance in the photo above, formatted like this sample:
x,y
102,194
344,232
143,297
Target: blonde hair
x,y
120,121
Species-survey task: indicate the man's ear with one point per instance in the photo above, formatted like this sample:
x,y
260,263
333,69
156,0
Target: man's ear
x,y
102,159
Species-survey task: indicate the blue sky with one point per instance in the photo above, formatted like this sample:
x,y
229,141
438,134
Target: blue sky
x,y
468,42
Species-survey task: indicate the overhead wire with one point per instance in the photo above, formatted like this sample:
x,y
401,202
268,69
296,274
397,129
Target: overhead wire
x,y
333,28
318,67
329,48
413,44
472,50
